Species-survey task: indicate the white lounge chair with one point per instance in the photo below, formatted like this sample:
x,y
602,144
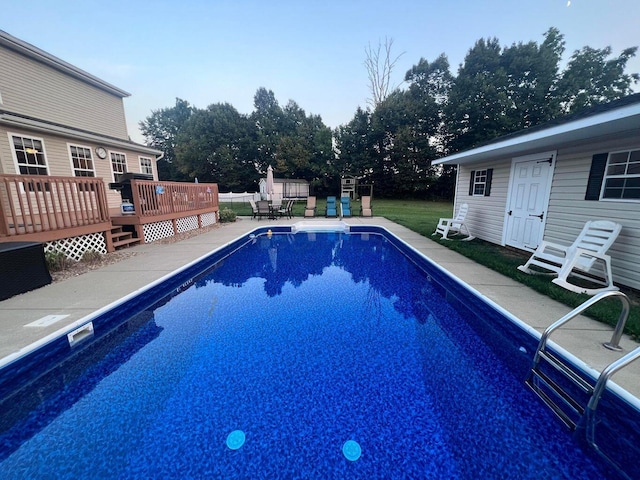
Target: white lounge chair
x,y
454,226
586,258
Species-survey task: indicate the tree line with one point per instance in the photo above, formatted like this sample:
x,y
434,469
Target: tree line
x,y
392,143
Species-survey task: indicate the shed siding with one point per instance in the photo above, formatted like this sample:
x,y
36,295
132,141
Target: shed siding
x,y
568,210
31,88
486,214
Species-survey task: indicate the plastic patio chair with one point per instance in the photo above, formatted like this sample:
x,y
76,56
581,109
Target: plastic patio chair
x,y
585,258
345,207
332,209
454,226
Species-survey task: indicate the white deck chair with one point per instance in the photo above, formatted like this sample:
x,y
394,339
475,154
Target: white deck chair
x,y
455,225
586,258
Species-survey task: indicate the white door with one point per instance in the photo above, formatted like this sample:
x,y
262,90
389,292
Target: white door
x,y
528,200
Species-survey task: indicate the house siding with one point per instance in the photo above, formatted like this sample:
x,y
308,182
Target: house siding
x,y
31,88
59,160
485,219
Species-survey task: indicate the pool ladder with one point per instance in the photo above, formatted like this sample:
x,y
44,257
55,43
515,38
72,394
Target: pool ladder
x,y
572,397
564,395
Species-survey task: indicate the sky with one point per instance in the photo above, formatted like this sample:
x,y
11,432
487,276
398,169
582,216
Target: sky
x,y
312,52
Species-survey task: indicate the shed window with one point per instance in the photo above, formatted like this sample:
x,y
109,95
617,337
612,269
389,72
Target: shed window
x,y
30,155
622,176
480,182
82,161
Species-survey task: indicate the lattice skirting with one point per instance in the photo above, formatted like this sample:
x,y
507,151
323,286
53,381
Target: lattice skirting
x,y
157,231
187,223
208,219
75,247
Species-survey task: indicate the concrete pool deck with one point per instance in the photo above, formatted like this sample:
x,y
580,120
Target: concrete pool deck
x,y
76,297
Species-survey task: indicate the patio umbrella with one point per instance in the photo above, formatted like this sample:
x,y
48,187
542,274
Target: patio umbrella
x,y
269,182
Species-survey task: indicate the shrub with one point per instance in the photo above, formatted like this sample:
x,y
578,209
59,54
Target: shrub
x,y
57,261
91,256
227,215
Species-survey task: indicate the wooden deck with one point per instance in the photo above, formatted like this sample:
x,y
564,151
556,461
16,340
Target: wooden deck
x,y
47,208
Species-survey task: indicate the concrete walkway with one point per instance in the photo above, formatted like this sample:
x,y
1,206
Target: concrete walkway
x,y
79,296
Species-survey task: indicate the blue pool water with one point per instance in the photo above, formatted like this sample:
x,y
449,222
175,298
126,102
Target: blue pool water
x,y
310,345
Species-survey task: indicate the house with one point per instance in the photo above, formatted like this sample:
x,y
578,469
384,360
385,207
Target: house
x,y
545,182
286,188
63,142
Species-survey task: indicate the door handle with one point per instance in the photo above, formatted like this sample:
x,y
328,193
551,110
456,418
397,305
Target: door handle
x,y
541,216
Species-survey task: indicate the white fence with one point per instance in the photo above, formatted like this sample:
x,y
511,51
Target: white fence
x,y
238,197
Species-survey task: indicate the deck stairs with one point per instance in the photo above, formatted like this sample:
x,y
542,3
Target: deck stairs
x,y
122,239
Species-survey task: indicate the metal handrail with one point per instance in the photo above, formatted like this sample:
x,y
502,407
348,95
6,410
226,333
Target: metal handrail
x,y
613,344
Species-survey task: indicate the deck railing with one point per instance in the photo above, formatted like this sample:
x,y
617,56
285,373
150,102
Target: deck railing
x,y
35,204
173,199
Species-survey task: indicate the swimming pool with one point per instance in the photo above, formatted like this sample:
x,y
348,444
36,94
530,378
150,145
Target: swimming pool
x,y
303,342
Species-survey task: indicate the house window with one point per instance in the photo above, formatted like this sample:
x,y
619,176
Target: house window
x,y
118,164
480,182
82,161
30,155
146,165
622,176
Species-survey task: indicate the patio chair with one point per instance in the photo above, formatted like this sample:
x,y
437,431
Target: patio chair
x,y
332,209
585,258
286,209
365,206
310,209
454,226
264,210
254,208
345,207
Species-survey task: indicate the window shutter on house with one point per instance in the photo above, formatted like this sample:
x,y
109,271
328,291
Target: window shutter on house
x,y
596,175
473,176
487,187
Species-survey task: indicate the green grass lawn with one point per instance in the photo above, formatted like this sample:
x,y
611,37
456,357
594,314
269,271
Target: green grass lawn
x,y
422,217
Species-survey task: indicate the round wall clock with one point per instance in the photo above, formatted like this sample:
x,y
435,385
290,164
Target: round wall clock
x,y
101,152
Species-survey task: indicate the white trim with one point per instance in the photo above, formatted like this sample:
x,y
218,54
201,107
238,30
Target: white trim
x,y
604,178
140,158
126,164
73,168
16,165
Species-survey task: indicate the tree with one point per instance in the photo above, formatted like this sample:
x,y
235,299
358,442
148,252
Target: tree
x,y
267,119
161,129
215,145
380,64
591,78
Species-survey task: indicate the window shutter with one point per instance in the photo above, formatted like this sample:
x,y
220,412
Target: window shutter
x,y
473,175
596,175
487,186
